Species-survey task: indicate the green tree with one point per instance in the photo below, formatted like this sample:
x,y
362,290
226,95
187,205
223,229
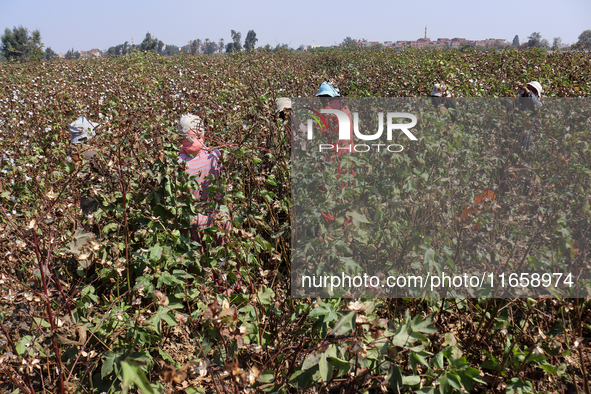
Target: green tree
x,y
585,39
50,54
20,44
535,40
195,46
349,42
151,44
282,48
71,54
250,41
235,45
210,47
121,49
221,45
516,41
557,43
171,50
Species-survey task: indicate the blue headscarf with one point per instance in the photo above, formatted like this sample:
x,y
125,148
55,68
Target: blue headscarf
x,y
327,89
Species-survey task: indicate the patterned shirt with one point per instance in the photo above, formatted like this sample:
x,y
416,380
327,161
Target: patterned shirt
x,y
201,166
205,163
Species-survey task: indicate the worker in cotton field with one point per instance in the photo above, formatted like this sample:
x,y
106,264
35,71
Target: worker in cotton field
x,y
204,164
441,96
283,111
82,131
527,102
331,99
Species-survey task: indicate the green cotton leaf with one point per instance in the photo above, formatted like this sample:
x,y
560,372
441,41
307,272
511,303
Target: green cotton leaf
x,y
345,325
284,227
421,358
239,195
429,260
155,252
518,386
412,380
358,217
406,339
268,196
168,279
303,377
41,322
438,361
167,187
490,364
444,386
22,347
564,231
165,356
548,367
326,311
341,365
468,377
182,274
110,227
110,359
351,266
454,380
311,360
427,390
267,376
266,295
394,378
420,325
324,368
162,314
132,373
449,339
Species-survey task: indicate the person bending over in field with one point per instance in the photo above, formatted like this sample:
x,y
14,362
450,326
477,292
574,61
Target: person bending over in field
x,y
283,111
204,164
527,102
528,97
82,131
524,110
441,96
331,99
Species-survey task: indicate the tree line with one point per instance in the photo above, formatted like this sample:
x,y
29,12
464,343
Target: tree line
x,y
19,43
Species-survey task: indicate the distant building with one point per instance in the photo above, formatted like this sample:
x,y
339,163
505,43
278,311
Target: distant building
x,y
96,53
426,42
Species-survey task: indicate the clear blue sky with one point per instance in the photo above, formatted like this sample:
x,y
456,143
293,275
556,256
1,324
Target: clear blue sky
x,y
84,25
